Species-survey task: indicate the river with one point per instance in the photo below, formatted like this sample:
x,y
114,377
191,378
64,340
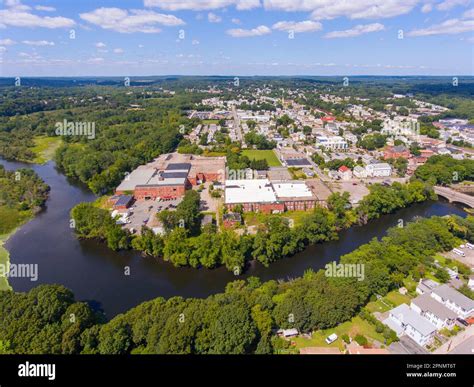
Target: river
x,y
98,275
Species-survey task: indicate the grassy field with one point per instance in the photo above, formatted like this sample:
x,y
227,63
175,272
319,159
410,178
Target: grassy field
x,y
268,155
390,301
351,328
4,260
11,219
209,122
44,148
257,218
297,173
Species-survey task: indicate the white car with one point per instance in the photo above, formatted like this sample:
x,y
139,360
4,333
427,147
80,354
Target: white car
x,y
331,338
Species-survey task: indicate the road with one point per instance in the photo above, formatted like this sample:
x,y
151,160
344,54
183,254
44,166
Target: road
x,y
237,128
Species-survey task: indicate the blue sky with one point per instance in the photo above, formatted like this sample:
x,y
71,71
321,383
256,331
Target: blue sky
x,y
236,37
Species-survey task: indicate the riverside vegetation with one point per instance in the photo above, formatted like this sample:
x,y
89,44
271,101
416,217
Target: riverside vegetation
x,y
240,320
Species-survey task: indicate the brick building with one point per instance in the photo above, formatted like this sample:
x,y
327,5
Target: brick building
x,y
268,197
170,175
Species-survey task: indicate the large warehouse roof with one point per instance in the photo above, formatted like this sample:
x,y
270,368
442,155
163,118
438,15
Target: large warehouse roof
x,y
245,191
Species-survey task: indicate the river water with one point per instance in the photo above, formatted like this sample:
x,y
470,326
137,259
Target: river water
x,y
98,275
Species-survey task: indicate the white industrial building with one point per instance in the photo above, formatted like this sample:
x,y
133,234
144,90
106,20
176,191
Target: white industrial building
x,y
332,142
379,170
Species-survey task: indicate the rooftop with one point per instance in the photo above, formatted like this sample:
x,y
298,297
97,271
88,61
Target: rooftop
x,y
448,293
427,303
292,189
244,191
408,316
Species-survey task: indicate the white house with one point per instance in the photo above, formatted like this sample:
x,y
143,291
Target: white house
x,y
426,286
402,319
471,282
378,170
435,312
359,172
452,299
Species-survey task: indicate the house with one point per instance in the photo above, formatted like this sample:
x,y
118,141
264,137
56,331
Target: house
x,y
404,320
378,170
394,152
438,314
121,202
452,299
359,172
286,333
471,282
345,173
426,286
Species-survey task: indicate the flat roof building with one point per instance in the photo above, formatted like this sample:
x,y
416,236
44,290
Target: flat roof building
x,y
262,195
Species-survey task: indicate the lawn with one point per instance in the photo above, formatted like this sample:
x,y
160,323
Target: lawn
x,y
209,122
297,173
390,301
4,260
268,155
351,328
11,219
257,218
44,148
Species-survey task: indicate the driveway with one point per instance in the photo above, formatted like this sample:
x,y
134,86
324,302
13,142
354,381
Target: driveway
x,y
407,346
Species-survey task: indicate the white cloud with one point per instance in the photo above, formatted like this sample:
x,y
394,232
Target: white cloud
x,y
124,21
303,26
118,51
100,45
448,4
45,8
236,21
468,14
213,18
427,8
37,43
17,15
16,5
449,27
195,42
356,9
356,31
241,33
180,5
94,61
7,42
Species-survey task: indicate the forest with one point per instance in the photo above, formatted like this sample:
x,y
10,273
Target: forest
x,y
445,170
22,194
242,320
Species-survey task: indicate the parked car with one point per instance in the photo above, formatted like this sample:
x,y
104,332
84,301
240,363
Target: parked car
x,y
331,338
462,321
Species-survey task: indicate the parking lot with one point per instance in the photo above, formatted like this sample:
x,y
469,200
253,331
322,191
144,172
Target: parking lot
x,y
143,212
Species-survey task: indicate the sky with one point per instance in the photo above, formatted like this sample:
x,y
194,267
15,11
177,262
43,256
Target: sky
x,y
236,37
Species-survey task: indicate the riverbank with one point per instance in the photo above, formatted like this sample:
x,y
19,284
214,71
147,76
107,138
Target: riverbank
x,y
5,260
12,221
48,241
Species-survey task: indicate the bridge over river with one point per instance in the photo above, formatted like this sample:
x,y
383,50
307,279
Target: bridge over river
x,y
454,196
